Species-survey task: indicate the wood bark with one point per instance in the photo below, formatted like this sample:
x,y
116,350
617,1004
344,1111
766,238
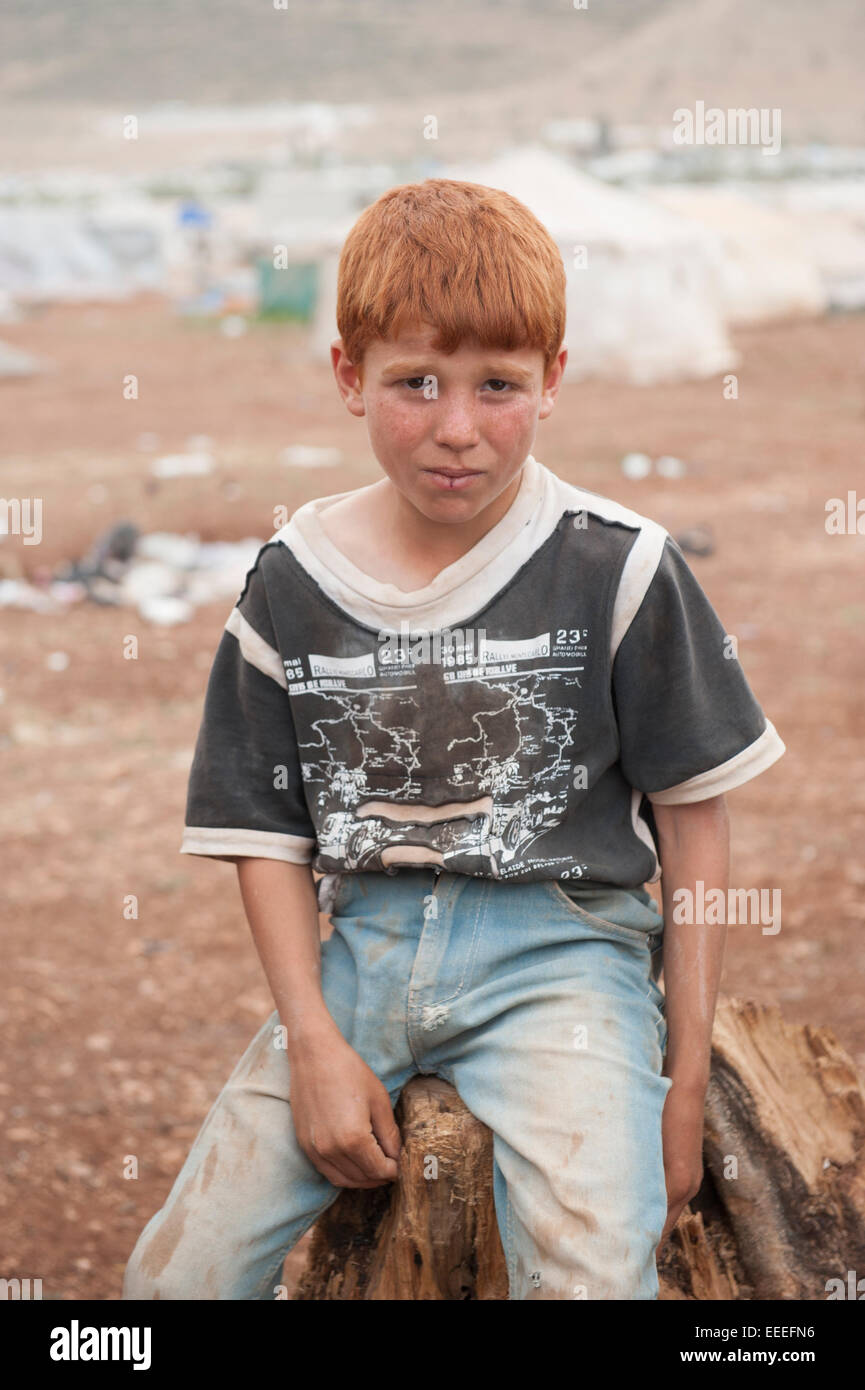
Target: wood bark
x,y
780,1213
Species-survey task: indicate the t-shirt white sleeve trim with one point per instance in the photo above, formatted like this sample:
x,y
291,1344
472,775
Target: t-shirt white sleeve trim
x,y
642,832
748,763
219,843
637,574
254,649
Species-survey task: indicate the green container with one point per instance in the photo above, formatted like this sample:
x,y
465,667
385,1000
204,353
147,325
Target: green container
x,y
289,293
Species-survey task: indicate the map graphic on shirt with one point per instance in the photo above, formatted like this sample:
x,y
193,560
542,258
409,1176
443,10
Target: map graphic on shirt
x,y
506,750
516,719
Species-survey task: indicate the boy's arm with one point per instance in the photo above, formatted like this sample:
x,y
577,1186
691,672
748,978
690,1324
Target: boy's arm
x,y
282,911
341,1111
694,844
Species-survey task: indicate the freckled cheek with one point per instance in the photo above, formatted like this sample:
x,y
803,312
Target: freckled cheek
x,y
398,424
519,417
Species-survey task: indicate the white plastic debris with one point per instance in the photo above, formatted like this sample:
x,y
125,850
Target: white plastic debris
x,y
169,548
148,580
166,610
670,467
17,593
57,661
310,456
181,465
636,465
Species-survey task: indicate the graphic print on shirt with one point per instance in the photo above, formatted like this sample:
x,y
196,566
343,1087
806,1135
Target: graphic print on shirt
x,y
464,762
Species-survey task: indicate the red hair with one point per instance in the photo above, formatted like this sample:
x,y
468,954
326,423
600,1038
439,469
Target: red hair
x,y
471,261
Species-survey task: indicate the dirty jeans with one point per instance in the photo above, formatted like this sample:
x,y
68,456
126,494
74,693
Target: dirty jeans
x,y
544,1013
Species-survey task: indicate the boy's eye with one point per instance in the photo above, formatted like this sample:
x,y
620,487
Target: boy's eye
x,y
497,383
416,382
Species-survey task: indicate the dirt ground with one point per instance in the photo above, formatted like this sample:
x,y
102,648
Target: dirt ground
x,y
119,1033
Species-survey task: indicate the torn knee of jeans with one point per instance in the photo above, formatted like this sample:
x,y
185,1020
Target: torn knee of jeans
x,y
433,1015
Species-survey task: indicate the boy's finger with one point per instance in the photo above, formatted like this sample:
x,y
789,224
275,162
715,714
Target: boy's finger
x,y
340,1179
384,1126
375,1163
348,1168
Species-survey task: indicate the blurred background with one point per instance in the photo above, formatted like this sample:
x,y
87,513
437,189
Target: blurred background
x,y
176,180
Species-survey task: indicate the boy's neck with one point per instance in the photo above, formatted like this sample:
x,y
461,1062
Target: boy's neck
x,y
445,542
385,535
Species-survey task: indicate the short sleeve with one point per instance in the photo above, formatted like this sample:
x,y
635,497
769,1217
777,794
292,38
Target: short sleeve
x,y
245,792
689,725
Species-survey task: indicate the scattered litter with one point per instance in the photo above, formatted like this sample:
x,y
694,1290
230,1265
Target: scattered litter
x,y
233,326
697,540
163,575
181,465
57,661
17,593
669,467
636,465
310,456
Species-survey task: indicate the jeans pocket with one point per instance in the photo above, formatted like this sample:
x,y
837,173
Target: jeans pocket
x,y
603,924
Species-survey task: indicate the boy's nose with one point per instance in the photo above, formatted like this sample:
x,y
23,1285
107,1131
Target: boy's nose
x,y
455,426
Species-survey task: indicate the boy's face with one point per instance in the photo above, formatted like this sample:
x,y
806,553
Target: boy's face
x,y
450,431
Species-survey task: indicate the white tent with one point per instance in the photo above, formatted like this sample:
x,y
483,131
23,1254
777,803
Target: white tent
x,y
830,218
642,303
66,252
768,271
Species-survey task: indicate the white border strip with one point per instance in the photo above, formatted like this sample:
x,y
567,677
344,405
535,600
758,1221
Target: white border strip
x,y
254,649
643,833
217,843
751,761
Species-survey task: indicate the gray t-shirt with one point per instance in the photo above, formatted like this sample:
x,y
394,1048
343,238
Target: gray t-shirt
x,y
516,719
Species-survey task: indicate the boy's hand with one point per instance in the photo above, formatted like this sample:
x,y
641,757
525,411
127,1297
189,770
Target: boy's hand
x,y
343,1117
682,1131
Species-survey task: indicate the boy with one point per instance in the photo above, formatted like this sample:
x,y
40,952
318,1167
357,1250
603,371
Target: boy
x,y
487,707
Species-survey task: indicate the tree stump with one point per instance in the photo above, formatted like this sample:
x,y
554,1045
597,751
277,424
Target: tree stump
x,y
781,1211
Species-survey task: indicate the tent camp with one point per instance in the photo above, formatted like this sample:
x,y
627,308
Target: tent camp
x,y
641,294
768,271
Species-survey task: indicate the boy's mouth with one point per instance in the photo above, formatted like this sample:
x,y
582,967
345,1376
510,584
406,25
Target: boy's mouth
x,y
452,479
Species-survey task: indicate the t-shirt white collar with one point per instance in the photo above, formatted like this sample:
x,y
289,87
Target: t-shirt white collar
x,y
458,590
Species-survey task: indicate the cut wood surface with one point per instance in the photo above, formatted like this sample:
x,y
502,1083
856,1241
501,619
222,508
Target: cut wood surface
x,y
781,1211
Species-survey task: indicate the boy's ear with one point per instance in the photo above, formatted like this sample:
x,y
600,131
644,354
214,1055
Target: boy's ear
x,y
348,378
552,382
